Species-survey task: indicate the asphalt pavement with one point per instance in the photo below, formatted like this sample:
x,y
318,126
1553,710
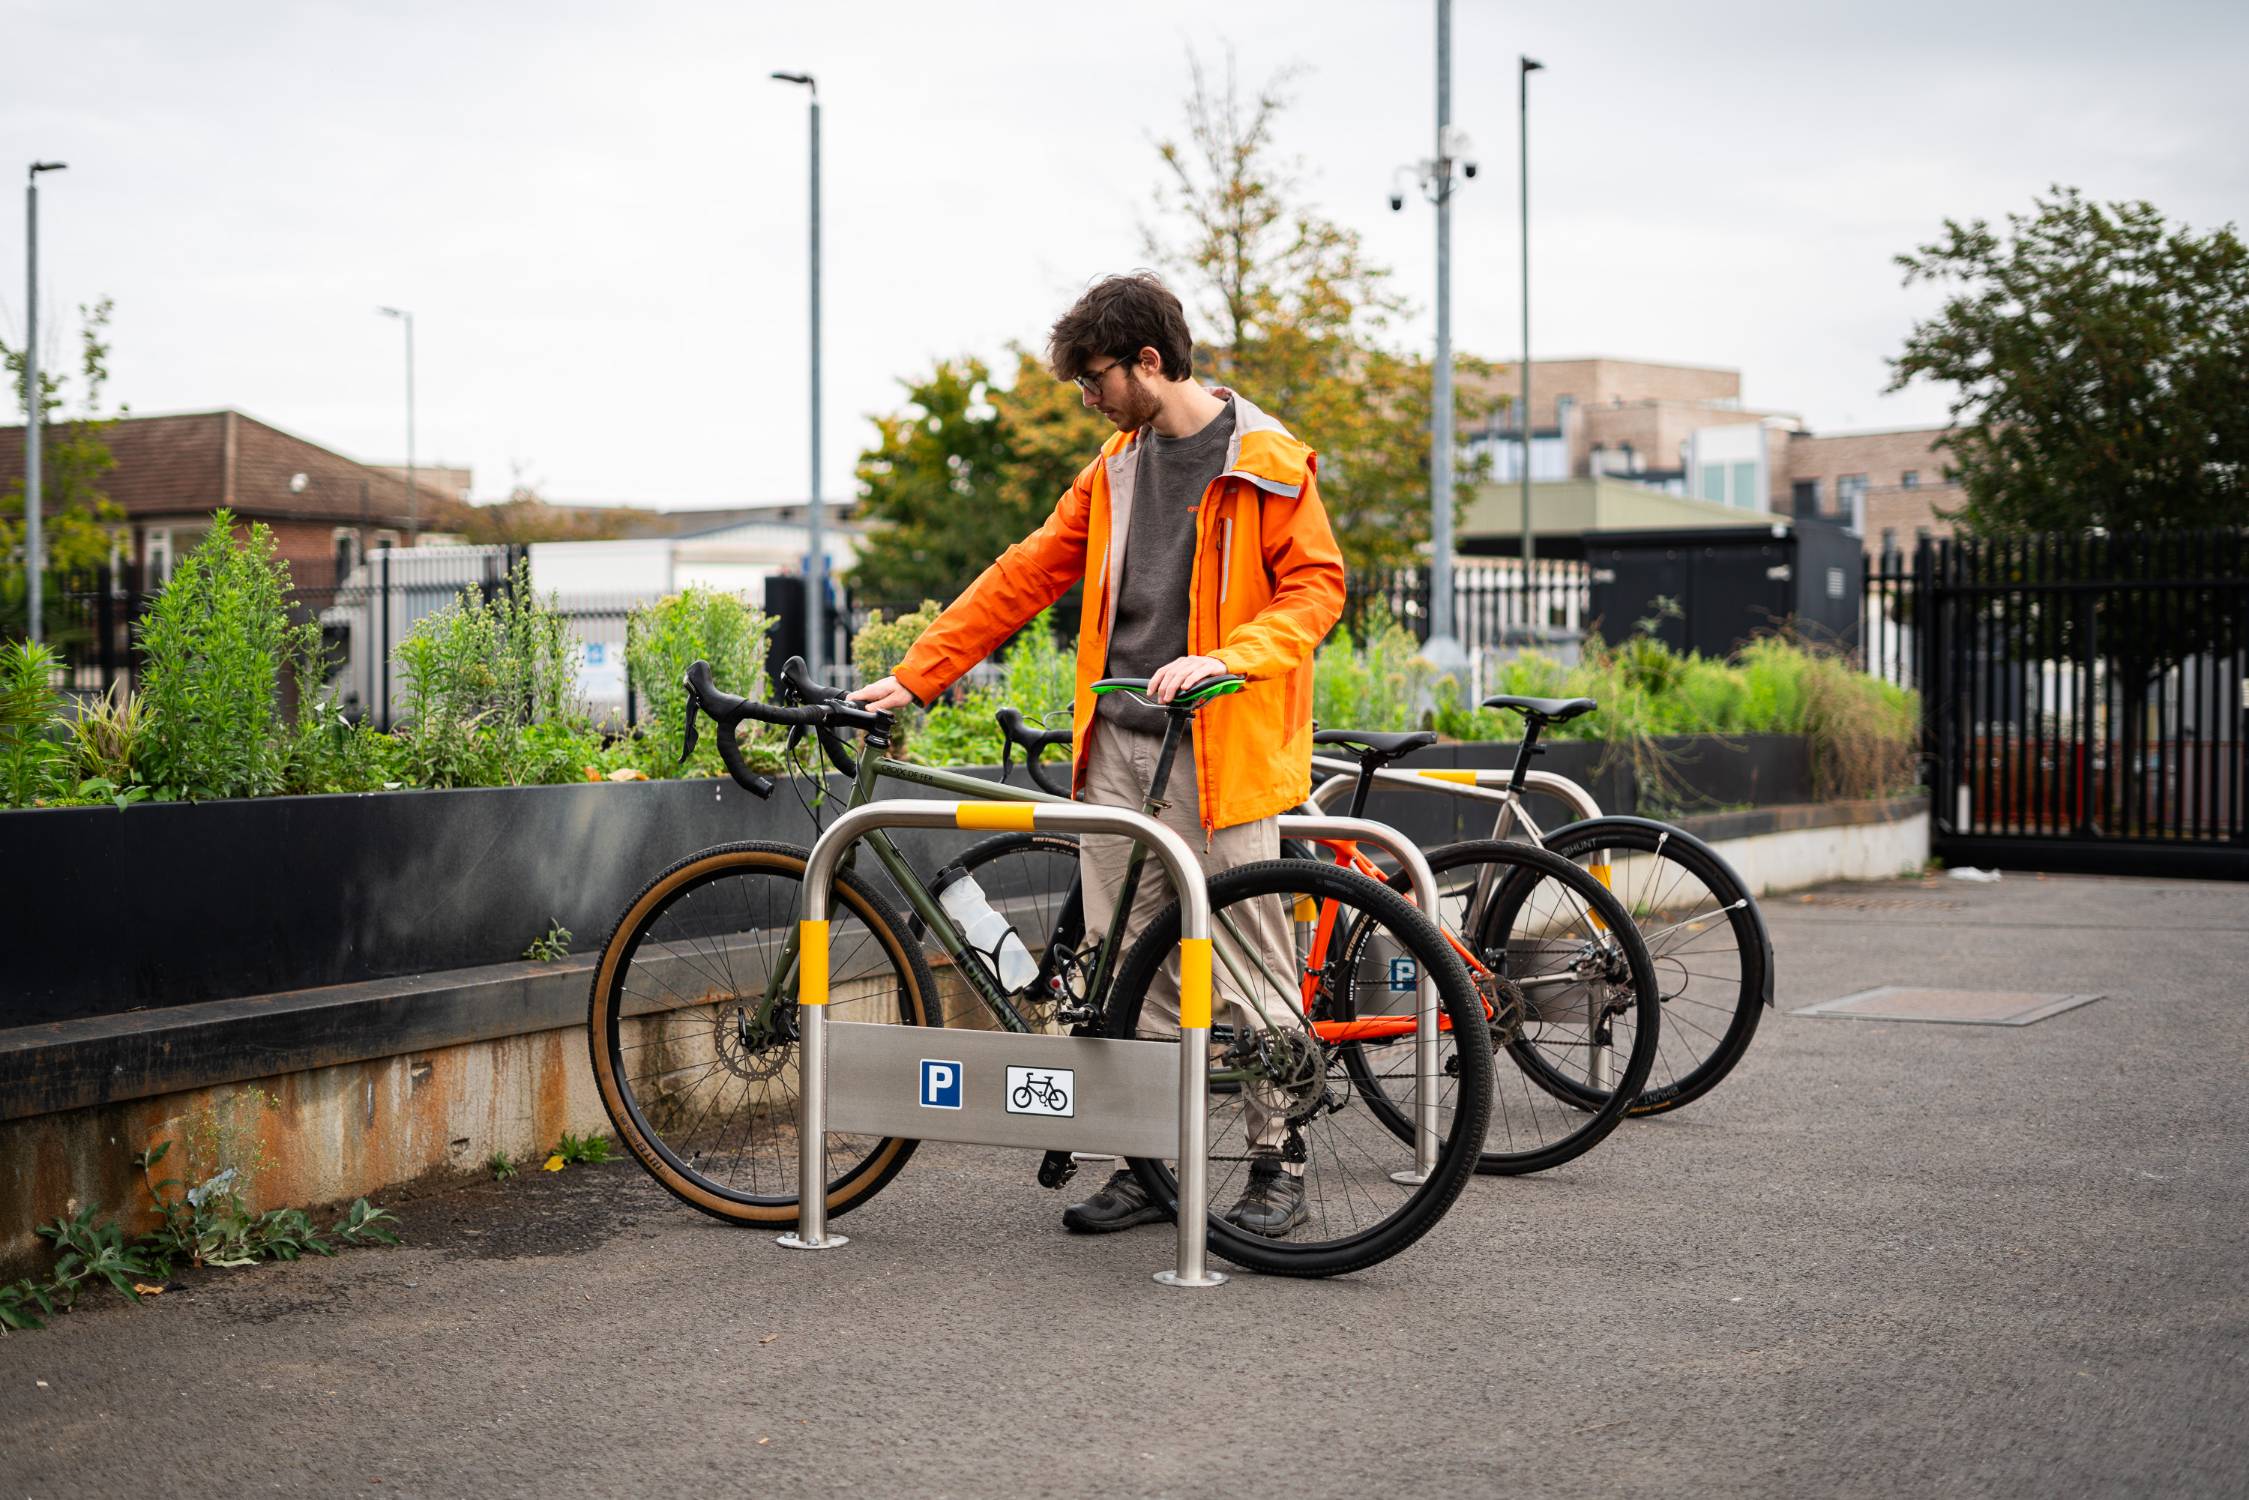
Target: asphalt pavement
x,y
1884,1259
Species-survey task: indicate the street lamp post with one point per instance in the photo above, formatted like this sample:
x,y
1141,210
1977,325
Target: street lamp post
x,y
1442,648
816,559
413,485
1525,67
31,396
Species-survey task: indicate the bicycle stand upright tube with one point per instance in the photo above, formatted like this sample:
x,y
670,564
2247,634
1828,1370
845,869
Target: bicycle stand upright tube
x,y
1191,1267
1423,883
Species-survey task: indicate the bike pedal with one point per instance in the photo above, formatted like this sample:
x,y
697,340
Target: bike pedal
x,y
1056,1168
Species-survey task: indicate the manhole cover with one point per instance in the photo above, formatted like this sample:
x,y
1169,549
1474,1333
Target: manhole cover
x,y
1961,1007
1851,902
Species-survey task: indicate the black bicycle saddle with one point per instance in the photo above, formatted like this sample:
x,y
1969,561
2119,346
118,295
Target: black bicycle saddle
x,y
1552,710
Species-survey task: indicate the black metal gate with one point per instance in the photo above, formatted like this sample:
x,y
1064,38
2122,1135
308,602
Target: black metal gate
x,y
2082,697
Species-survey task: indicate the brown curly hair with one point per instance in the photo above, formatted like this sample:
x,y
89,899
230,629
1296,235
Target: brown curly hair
x,y
1117,318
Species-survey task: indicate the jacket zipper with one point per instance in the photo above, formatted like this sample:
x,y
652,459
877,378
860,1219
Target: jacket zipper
x,y
1225,556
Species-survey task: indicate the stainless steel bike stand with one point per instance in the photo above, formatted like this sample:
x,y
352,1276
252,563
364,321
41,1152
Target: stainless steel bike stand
x,y
1191,1267
1424,885
1486,786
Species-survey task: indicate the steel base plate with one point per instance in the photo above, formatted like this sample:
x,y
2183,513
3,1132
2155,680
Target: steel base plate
x,y
1174,1279
1409,1179
833,1241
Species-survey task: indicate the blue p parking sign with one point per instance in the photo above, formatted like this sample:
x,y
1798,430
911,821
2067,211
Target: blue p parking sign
x,y
1404,974
940,1084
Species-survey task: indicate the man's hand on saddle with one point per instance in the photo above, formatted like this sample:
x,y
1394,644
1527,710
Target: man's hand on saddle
x,y
884,696
1175,677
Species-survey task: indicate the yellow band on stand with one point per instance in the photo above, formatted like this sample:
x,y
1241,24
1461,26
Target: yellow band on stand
x,y
1012,815
812,963
1463,778
1194,983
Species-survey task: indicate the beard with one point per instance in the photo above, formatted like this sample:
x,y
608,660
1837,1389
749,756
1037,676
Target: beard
x,y
1139,406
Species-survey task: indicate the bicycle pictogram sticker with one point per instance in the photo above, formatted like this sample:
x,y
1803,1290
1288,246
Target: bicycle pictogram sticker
x,y
1041,1091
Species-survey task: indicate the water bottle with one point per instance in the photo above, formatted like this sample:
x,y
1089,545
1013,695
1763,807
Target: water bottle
x,y
990,934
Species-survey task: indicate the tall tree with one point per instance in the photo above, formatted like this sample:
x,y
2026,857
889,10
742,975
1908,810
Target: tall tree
x,y
79,519
2100,358
1296,315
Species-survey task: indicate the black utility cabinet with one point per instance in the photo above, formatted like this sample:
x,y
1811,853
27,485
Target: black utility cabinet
x,y
1730,583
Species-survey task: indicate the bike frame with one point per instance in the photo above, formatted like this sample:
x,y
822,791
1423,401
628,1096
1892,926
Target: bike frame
x,y
874,768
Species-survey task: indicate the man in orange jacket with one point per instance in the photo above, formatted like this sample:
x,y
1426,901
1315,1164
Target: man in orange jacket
x,y
1199,532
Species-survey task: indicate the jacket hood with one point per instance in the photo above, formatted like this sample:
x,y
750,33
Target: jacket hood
x,y
1261,451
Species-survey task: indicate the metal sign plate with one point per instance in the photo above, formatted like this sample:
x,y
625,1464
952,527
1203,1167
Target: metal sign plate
x,y
991,1088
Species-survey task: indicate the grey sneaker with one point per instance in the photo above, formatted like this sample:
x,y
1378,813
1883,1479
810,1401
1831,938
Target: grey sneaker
x,y
1122,1203
1272,1204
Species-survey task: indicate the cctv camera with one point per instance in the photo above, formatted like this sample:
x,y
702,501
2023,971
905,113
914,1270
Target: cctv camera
x,y
1468,167
1397,202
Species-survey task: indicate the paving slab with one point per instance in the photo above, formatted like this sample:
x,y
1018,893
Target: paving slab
x,y
1885,1258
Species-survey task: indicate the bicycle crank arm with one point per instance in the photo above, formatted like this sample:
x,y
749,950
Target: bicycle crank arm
x,y
1056,1168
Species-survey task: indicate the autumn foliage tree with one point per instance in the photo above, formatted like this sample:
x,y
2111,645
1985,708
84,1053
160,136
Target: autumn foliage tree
x,y
1287,307
1294,313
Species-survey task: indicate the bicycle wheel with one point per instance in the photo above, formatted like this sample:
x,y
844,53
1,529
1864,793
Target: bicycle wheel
x,y
1713,958
1032,880
1278,1088
702,1093
1571,992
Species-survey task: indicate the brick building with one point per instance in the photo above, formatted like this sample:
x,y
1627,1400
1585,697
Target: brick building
x,y
1888,486
325,510
1683,429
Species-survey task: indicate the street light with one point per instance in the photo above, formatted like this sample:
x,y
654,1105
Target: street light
x,y
413,488
32,393
1436,176
816,561
1525,67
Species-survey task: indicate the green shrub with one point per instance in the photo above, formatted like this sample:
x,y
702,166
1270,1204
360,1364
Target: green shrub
x,y
479,676
107,737
882,644
214,643
661,641
33,765
1041,674
1376,684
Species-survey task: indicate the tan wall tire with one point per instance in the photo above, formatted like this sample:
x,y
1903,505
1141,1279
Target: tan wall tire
x,y
867,1169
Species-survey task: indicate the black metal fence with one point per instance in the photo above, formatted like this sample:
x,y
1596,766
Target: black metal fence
x,y
2082,696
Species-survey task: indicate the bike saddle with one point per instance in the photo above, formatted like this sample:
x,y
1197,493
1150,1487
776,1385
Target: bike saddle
x,y
1185,702
1549,710
1377,744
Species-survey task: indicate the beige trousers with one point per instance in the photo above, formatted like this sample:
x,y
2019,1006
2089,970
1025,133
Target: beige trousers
x,y
1123,762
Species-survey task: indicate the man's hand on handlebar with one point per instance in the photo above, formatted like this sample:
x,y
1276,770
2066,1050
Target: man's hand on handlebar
x,y
1175,677
885,696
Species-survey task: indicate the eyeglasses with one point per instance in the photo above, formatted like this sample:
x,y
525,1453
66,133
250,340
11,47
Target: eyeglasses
x,y
1090,381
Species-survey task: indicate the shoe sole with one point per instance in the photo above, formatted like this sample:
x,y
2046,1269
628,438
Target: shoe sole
x,y
1148,1215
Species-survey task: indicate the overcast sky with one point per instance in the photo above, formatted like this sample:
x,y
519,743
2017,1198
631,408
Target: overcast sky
x,y
597,211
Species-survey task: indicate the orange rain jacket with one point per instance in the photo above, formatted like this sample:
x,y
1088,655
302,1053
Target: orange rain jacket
x,y
1267,586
